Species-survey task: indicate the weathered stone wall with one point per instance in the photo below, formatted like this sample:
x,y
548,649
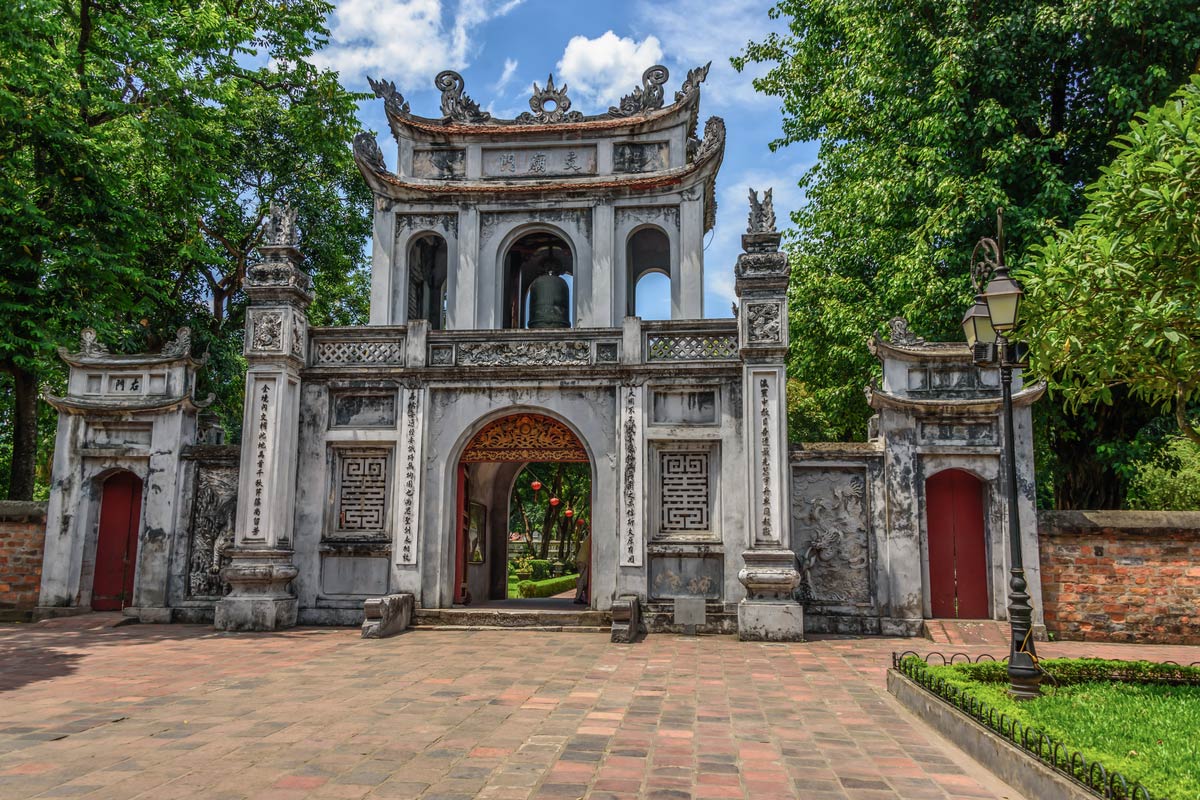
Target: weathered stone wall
x,y
22,534
1121,575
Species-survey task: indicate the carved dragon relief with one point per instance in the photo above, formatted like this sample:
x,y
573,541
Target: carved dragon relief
x,y
456,105
831,527
367,152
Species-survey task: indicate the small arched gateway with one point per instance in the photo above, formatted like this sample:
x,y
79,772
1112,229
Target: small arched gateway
x,y
494,531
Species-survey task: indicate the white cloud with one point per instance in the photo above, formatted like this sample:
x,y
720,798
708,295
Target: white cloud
x,y
407,41
694,32
506,76
603,69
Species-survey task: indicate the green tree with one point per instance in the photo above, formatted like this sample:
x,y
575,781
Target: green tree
x,y
121,129
1115,301
930,115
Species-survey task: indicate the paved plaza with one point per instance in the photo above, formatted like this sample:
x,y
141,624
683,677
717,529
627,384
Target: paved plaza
x,y
89,710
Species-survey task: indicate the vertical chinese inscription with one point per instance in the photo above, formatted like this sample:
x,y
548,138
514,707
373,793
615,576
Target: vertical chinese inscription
x,y
260,457
765,448
407,555
629,479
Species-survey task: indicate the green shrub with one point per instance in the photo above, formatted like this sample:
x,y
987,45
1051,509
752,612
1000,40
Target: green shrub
x,y
541,568
546,588
1170,481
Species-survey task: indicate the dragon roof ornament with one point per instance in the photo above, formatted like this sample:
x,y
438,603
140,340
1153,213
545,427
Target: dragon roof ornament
x,y
549,104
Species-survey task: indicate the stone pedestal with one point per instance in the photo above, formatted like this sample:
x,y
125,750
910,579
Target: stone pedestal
x,y
260,600
769,613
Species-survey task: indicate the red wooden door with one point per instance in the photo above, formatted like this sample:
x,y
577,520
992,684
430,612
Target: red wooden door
x,y
957,554
116,548
460,536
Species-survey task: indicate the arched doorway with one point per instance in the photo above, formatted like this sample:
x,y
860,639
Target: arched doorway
x,y
427,271
116,544
957,546
496,479
527,259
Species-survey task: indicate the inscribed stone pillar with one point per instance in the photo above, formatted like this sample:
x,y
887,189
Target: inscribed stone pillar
x,y
769,611
261,566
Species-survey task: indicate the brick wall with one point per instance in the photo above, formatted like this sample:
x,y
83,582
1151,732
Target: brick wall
x,y
22,532
1121,576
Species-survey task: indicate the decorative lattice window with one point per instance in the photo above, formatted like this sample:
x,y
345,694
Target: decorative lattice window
x,y
685,491
362,491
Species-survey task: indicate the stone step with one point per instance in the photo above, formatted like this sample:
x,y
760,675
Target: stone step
x,y
490,618
967,631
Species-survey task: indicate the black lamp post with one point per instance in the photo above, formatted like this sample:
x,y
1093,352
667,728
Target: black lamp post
x,y
988,325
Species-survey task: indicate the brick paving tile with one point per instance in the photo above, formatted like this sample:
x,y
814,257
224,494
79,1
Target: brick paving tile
x,y
162,712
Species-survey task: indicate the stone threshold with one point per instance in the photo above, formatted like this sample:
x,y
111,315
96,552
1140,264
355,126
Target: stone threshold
x,y
1008,762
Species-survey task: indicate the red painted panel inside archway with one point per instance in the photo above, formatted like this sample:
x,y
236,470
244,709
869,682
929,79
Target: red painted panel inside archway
x,y
957,550
116,548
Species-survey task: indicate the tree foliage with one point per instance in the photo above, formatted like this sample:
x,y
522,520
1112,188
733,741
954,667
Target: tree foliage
x,y
929,116
140,144
1115,301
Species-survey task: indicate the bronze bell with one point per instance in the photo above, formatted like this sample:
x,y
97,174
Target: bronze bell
x,y
549,302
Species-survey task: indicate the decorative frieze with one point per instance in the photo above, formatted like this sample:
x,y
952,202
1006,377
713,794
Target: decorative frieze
x,y
523,354
637,157
764,323
336,352
524,437
443,164
406,223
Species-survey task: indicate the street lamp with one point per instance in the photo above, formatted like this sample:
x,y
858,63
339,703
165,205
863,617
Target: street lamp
x,y
988,324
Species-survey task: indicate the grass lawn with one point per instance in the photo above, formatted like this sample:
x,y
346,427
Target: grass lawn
x,y
1148,732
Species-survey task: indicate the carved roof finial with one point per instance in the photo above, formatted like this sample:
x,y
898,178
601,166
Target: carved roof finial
x,y
762,214
181,345
898,332
281,226
691,84
393,101
457,106
90,345
549,105
647,97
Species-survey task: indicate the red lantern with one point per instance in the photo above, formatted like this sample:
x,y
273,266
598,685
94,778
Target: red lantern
x,y
568,513
579,521
536,485
554,501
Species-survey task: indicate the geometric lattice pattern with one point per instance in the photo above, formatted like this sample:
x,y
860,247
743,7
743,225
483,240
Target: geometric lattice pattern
x,y
692,347
684,482
362,490
389,351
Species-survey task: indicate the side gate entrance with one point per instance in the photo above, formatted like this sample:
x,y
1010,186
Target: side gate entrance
x,y
116,546
957,546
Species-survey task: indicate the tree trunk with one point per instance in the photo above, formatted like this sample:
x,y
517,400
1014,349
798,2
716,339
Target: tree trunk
x,y
24,452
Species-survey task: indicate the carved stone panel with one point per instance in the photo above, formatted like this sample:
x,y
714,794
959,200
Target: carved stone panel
x,y
685,497
266,331
440,164
764,323
686,576
211,531
374,410
641,157
522,354
539,162
697,407
830,535
361,491
964,432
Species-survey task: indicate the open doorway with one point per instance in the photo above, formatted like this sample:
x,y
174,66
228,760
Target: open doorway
x,y
523,532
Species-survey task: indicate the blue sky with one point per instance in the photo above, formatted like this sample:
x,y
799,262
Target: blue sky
x,y
600,50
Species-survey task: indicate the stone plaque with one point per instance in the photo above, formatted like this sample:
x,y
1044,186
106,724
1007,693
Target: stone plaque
x,y
829,535
539,162
440,163
641,156
978,433
364,410
685,576
685,408
357,575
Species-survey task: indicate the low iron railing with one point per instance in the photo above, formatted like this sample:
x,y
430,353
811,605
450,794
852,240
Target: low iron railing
x,y
1092,775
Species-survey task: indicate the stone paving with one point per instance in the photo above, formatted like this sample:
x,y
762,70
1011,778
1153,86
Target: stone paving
x,y
88,710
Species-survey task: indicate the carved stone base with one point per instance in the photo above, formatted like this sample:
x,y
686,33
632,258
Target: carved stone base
x,y
778,621
626,619
769,575
387,616
259,600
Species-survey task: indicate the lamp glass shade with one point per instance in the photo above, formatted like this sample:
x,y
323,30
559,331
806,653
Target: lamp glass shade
x,y
1003,297
977,325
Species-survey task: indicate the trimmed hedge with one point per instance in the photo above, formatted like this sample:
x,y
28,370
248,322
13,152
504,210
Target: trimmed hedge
x,y
546,588
1067,671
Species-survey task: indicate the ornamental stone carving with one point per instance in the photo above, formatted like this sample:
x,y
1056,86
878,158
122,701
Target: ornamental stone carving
x,y
765,323
281,226
90,345
267,331
762,213
647,97
181,345
212,529
523,354
393,101
367,151
691,84
829,523
900,333
457,106
525,437
549,105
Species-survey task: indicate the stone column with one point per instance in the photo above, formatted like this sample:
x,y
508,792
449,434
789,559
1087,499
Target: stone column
x,y
261,568
769,611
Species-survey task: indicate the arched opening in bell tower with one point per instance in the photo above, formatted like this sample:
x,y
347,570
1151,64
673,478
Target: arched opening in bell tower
x,y
539,286
427,270
648,256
